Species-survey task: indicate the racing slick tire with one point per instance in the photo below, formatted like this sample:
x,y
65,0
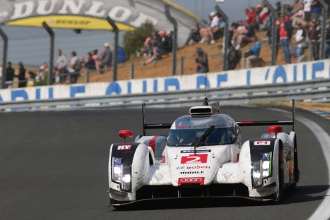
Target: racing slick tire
x,y
280,179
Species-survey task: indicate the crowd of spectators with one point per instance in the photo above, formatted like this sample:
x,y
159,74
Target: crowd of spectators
x,y
155,46
297,26
64,67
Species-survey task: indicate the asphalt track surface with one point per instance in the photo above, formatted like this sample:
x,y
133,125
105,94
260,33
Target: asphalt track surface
x,y
53,165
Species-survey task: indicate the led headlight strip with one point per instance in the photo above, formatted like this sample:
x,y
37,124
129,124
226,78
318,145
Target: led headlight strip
x,y
121,174
262,169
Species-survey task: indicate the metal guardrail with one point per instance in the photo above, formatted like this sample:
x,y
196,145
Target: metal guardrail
x,y
315,90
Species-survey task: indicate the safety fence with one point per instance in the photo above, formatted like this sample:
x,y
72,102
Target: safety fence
x,y
313,90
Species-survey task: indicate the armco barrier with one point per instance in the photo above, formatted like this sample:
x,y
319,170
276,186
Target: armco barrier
x,y
301,72
315,90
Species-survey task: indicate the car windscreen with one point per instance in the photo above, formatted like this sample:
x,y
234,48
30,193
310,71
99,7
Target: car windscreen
x,y
186,137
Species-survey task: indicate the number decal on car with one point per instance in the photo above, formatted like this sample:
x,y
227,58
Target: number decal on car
x,y
192,159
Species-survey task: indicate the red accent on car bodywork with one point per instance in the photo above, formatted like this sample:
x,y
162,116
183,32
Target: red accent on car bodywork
x,y
152,143
125,134
275,129
246,122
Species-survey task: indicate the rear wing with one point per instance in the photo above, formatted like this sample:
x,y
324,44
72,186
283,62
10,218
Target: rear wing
x,y
264,123
151,126
240,123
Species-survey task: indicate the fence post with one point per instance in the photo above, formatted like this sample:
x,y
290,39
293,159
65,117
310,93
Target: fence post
x,y
225,38
181,65
131,71
4,57
86,76
175,36
310,51
324,27
115,49
51,56
274,31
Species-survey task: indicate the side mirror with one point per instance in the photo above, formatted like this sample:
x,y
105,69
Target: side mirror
x,y
125,134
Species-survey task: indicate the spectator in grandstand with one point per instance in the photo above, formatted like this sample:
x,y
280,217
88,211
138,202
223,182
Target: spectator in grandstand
x,y
146,50
121,54
82,64
21,75
106,58
208,32
299,17
234,32
315,10
57,75
202,61
74,67
221,29
251,53
157,50
42,71
95,57
38,77
285,36
299,43
10,73
246,36
296,7
314,37
327,43
263,15
233,56
278,7
251,16
30,79
307,9
61,64
90,63
165,43
195,35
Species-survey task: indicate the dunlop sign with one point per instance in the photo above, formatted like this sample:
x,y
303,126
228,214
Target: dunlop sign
x,y
92,14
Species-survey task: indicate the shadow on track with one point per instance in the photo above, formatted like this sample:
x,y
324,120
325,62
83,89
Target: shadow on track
x,y
305,194
301,194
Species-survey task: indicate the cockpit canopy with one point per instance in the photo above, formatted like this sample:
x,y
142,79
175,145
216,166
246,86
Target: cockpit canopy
x,y
188,129
187,137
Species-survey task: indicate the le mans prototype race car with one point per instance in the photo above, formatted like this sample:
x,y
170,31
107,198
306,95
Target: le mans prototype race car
x,y
203,156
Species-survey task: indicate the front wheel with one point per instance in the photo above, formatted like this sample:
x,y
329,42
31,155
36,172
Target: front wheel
x,y
280,176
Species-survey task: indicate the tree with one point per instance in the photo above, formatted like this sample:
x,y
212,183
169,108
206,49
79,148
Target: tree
x,y
133,40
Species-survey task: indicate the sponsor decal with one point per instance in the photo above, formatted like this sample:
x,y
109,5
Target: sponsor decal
x,y
181,126
191,180
261,143
198,158
192,151
124,147
197,167
192,172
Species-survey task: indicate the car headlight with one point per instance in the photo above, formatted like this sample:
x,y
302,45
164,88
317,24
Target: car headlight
x,y
121,174
262,169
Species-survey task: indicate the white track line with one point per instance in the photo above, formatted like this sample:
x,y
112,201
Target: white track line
x,y
323,211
